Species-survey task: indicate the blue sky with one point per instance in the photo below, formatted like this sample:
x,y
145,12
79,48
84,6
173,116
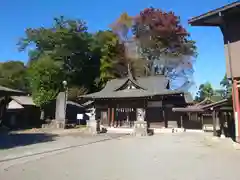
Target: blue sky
x,y
15,16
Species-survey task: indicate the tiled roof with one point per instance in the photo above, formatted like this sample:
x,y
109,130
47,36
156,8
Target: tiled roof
x,y
74,104
204,17
9,91
201,108
14,105
24,100
146,87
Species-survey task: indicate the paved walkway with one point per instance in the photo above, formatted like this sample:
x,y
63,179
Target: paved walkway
x,y
183,156
23,148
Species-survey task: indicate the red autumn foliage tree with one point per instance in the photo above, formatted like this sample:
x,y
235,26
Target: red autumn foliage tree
x,y
160,42
161,32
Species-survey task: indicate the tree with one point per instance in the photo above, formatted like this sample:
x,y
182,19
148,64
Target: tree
x,y
75,92
122,26
227,87
106,43
160,32
220,93
45,79
113,60
205,91
68,44
13,75
162,41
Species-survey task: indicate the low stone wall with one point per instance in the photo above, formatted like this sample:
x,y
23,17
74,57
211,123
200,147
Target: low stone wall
x,y
54,124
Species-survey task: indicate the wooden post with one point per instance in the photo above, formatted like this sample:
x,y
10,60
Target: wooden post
x,y
165,119
214,123
4,104
109,117
222,124
113,117
236,106
181,118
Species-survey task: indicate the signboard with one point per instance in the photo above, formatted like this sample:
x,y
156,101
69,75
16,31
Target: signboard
x,y
154,104
79,116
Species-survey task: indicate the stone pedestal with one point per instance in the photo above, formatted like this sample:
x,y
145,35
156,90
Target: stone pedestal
x,y
92,126
222,136
55,124
140,128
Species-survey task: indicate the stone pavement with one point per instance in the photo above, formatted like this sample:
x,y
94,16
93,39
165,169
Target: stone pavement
x,y
182,156
61,143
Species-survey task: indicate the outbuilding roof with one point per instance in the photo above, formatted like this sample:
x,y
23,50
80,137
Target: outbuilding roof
x,y
5,91
203,107
24,100
212,18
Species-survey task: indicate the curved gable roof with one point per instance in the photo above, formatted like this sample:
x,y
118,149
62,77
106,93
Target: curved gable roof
x,y
132,81
149,86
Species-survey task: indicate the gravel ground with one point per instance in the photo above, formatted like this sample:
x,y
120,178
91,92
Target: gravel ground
x,y
184,156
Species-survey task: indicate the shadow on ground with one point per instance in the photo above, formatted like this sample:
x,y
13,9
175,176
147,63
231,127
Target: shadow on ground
x,y
11,140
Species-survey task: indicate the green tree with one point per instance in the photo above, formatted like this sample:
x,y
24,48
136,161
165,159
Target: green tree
x,y
111,53
227,87
68,44
113,60
13,75
45,80
205,91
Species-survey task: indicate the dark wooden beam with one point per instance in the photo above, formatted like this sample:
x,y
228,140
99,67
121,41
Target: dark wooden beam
x,y
113,115
181,118
109,117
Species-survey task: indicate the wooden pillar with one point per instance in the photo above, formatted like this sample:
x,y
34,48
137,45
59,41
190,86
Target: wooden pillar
x,y
236,106
229,124
202,121
214,123
217,120
223,121
109,117
3,109
113,116
165,119
181,119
